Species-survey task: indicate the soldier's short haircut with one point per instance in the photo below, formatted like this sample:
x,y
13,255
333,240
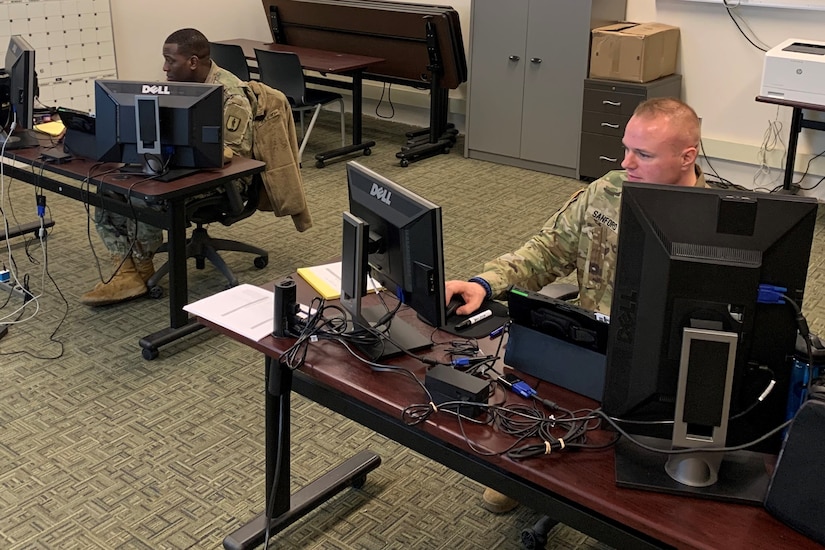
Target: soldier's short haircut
x,y
190,42
677,111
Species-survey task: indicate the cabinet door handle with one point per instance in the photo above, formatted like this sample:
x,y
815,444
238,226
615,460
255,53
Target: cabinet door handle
x,y
613,103
608,159
514,58
614,126
535,60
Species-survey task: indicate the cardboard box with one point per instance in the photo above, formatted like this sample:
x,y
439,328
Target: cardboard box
x,y
634,52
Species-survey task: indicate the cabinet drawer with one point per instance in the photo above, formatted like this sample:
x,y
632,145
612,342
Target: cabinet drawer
x,y
609,124
607,101
599,155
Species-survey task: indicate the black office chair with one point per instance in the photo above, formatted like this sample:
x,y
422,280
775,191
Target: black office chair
x,y
282,71
225,208
231,58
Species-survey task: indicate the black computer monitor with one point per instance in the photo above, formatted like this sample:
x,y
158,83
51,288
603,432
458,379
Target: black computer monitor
x,y
22,81
159,127
690,341
398,235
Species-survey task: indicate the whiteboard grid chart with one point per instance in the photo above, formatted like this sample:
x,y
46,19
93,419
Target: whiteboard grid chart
x,y
73,42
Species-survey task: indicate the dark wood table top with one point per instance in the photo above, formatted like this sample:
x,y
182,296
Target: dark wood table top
x,y
786,103
323,61
585,477
79,169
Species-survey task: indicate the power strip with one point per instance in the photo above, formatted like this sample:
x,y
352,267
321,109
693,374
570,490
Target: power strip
x,y
7,287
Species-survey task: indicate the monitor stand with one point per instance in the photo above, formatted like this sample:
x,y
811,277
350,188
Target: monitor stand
x,y
21,139
169,175
404,334
743,475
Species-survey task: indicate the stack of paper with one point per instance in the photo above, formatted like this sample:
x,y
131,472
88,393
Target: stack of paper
x,y
326,280
53,128
245,309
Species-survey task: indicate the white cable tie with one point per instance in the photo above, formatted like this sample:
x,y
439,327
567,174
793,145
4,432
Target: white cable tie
x,y
561,442
435,409
547,448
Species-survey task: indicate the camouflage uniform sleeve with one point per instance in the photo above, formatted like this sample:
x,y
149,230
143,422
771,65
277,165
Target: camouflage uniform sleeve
x,y
550,254
237,125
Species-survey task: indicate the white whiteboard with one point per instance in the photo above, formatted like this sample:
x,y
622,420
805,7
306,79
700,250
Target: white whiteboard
x,y
817,5
73,42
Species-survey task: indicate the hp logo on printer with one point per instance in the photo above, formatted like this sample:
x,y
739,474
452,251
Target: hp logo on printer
x,y
155,89
381,194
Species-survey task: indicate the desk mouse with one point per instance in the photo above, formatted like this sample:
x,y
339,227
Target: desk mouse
x,y
454,304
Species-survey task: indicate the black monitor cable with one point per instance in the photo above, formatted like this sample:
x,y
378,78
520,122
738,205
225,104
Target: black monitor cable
x,y
729,7
132,240
84,193
270,506
726,449
388,89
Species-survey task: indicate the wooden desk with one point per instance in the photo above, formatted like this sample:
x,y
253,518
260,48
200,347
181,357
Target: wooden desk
x,y
79,178
576,488
324,62
798,121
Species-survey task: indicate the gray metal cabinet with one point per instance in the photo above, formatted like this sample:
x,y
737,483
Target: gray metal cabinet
x,y
528,60
608,105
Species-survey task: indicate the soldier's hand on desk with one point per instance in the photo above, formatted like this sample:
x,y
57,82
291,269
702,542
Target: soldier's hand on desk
x,y
473,295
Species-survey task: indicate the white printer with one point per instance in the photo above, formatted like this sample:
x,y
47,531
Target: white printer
x,y
795,71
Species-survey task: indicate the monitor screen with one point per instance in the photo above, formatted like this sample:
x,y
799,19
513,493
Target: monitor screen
x,y
404,245
689,269
172,124
22,90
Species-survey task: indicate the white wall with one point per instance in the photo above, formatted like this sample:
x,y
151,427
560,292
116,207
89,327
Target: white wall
x,y
721,70
722,75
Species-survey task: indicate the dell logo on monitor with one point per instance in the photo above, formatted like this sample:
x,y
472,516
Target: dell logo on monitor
x,y
155,89
381,194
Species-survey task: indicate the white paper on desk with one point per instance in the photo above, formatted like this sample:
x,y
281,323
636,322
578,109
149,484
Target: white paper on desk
x,y
245,309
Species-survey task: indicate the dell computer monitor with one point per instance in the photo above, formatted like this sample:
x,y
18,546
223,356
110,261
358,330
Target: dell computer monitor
x,y
22,82
159,126
691,345
398,235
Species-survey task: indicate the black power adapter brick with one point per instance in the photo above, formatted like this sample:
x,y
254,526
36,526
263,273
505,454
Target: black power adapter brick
x,y
55,156
447,384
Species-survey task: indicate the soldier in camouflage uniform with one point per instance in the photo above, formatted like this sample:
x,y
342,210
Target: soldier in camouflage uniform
x,y
132,245
661,143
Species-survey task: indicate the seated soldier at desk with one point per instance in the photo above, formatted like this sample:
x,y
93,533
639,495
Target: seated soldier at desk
x,y
132,244
661,143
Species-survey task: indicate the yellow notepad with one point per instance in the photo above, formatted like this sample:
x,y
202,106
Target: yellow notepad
x,y
53,128
326,280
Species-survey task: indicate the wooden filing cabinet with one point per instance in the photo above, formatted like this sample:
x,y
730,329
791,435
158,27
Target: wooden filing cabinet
x,y
607,106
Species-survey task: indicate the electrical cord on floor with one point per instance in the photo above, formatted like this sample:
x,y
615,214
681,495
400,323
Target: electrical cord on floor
x,y
388,89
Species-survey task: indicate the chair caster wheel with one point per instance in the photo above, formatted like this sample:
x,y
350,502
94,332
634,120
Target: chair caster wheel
x,y
367,152
319,164
150,354
404,163
260,262
358,482
156,292
200,263
535,538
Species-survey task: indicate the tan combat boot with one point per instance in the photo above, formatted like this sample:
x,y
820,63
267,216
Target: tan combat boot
x,y
145,268
125,285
